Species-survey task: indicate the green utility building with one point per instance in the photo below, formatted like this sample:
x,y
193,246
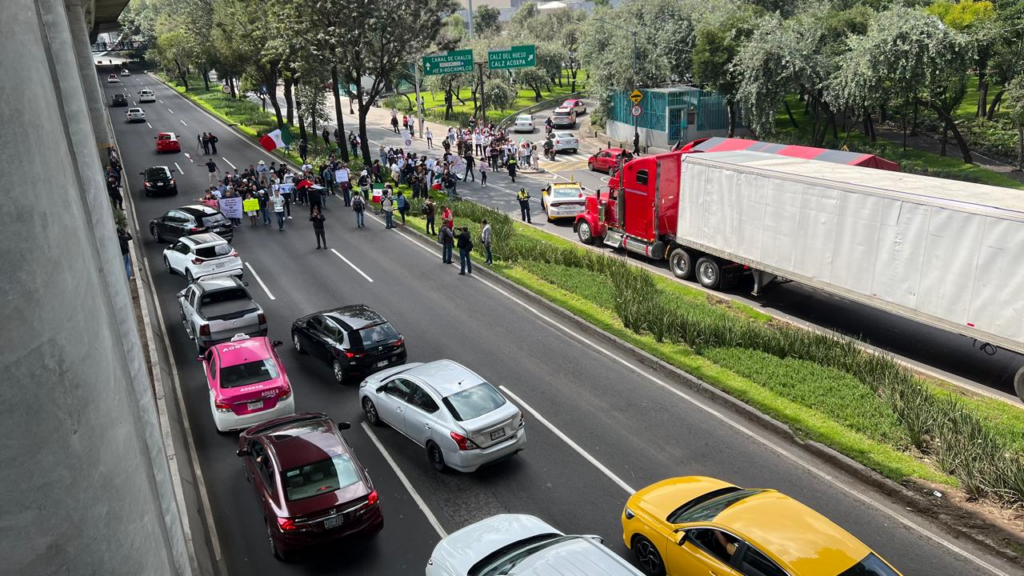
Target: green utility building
x,y
670,114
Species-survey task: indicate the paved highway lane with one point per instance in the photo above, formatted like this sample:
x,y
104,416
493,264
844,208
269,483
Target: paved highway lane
x,y
638,430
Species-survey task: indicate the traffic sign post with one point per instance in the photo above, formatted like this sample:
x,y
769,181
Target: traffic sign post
x,y
454,62
636,96
636,111
511,58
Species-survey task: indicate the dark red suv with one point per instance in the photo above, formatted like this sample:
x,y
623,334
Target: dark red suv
x,y
311,487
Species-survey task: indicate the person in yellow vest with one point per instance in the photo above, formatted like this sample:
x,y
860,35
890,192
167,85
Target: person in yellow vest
x,y
524,203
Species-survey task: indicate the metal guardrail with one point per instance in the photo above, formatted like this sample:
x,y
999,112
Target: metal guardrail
x,y
542,105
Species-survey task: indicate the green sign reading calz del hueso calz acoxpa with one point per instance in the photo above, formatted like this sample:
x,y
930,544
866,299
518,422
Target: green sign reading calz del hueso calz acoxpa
x,y
514,57
454,62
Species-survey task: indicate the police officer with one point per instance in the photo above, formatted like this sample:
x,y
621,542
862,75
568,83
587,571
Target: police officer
x,y
512,167
524,205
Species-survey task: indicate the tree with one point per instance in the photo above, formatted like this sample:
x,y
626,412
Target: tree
x,y
174,51
499,94
245,30
485,21
718,42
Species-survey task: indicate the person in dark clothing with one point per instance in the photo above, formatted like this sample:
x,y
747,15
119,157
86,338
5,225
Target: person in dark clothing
x,y
213,143
303,150
327,138
636,144
315,197
447,241
470,162
123,238
403,205
465,249
524,205
337,136
317,218
115,193
205,140
394,123
430,210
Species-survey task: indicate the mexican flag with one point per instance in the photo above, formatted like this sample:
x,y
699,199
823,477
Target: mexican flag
x,y
276,139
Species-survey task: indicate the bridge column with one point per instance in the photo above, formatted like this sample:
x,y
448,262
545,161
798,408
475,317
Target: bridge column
x,y
90,76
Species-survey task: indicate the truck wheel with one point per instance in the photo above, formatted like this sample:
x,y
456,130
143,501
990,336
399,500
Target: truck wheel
x,y
680,262
585,234
709,274
1018,384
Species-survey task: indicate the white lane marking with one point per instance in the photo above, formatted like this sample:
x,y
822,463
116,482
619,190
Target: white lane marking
x,y
133,102
178,167
338,254
171,111
182,122
161,101
579,450
229,163
148,124
764,441
260,280
405,482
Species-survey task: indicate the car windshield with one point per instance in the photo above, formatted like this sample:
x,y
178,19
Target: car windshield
x,y
248,373
504,559
155,173
214,220
215,251
564,135
561,114
565,192
474,402
320,477
709,506
376,335
871,566
224,296
165,136
524,119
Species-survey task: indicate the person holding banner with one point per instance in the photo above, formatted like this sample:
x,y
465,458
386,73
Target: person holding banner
x,y
251,206
343,176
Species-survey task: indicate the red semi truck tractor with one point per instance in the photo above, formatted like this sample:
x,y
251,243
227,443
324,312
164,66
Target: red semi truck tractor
x,y
940,252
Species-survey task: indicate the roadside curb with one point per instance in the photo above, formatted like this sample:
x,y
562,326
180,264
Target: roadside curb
x,y
935,510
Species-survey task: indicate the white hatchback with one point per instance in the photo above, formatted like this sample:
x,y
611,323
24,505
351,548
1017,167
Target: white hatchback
x,y
136,115
524,123
147,96
462,421
202,256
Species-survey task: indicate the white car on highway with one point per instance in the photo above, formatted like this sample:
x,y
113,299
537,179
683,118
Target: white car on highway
x,y
563,141
136,115
462,421
125,72
113,79
522,545
202,256
146,95
524,123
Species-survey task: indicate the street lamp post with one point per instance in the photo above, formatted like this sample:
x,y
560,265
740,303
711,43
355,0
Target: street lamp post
x,y
633,31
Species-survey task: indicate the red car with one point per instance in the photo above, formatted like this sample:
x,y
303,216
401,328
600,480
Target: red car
x,y
311,487
167,142
607,160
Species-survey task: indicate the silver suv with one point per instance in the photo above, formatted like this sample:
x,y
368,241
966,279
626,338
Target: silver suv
x,y
523,545
214,310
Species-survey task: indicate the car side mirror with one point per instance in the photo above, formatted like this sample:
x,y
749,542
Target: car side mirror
x,y
681,537
344,425
181,293
242,452
277,343
380,389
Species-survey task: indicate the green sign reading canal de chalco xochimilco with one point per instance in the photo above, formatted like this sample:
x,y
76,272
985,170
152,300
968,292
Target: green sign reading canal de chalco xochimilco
x,y
514,57
454,62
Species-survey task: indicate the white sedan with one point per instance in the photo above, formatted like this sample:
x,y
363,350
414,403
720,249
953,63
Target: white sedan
x,y
147,95
563,142
136,115
521,544
202,256
112,79
462,421
524,123
125,72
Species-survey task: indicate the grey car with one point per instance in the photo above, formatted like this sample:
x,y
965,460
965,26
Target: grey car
x,y
214,310
522,545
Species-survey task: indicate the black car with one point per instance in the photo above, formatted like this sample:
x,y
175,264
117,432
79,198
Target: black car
x,y
354,340
188,220
159,180
119,100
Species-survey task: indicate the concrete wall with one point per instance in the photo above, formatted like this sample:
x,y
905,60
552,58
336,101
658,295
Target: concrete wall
x,y
84,486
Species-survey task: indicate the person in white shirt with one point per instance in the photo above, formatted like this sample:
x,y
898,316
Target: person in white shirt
x,y
430,138
478,142
278,202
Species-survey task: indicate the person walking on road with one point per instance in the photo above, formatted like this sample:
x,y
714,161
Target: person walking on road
x,y
317,218
387,204
465,249
447,242
512,167
211,166
252,214
430,138
358,206
204,144
470,162
123,238
483,173
403,205
394,121
636,144
278,202
485,239
213,144
264,198
429,210
524,205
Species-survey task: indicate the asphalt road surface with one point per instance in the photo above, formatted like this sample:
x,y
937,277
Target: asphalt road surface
x,y
640,429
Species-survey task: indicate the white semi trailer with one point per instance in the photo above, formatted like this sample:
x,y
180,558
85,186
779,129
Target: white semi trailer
x,y
945,253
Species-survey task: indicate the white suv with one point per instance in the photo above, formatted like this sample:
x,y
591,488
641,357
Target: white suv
x,y
202,256
525,545
147,95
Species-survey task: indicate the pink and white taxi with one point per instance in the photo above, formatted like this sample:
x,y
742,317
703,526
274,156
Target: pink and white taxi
x,y
247,382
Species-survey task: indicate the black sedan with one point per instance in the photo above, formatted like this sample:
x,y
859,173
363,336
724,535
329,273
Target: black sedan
x,y
159,180
354,340
189,220
119,100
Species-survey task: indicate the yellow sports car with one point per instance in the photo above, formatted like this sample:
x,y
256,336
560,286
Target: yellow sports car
x,y
698,525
